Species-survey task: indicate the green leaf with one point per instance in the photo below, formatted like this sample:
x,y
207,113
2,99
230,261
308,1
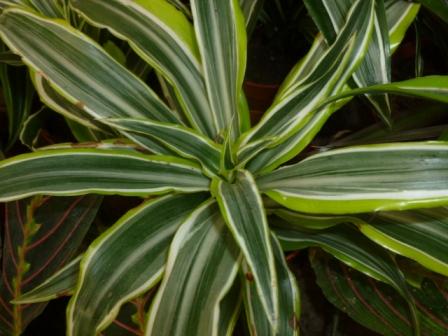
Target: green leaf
x,y
59,284
41,235
164,38
363,179
402,232
82,171
287,116
400,15
202,265
79,69
329,16
181,140
251,10
289,300
377,306
429,87
221,35
242,208
229,310
53,8
125,261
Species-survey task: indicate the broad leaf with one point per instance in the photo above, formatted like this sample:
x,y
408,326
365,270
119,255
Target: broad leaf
x,y
376,305
41,236
289,300
79,69
82,171
242,208
363,179
125,261
164,38
202,265
221,36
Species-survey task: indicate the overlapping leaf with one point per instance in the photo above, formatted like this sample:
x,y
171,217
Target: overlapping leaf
x,y
201,268
41,235
125,261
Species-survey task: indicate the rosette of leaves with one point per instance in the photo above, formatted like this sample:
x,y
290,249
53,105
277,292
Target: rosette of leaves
x,y
202,239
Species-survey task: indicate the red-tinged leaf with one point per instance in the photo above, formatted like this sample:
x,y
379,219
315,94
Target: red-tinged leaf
x,y
41,235
376,305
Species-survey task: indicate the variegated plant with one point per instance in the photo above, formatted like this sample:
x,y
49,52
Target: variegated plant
x,y
207,238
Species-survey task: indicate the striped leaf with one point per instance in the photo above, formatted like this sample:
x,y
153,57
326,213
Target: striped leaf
x,y
41,236
429,87
229,310
289,300
61,283
402,232
202,265
125,261
251,10
221,35
242,208
163,37
289,115
376,305
79,69
329,15
438,7
363,179
53,9
83,171
181,140
400,15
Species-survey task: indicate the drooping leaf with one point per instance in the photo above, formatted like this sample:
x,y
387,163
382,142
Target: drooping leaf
x,y
363,179
221,36
242,208
164,38
289,300
125,261
79,69
376,305
82,171
202,265
41,236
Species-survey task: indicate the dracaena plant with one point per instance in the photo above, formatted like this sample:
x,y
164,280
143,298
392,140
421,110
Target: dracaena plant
x,y
208,239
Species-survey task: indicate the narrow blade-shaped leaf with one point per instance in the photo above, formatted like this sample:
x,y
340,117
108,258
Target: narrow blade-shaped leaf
x,y
61,283
83,171
363,179
125,261
164,38
41,235
80,70
290,114
242,208
402,232
289,300
202,265
221,36
185,142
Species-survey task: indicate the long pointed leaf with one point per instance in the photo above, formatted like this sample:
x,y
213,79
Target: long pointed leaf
x,y
221,36
363,179
125,261
83,171
243,211
164,38
80,70
201,268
